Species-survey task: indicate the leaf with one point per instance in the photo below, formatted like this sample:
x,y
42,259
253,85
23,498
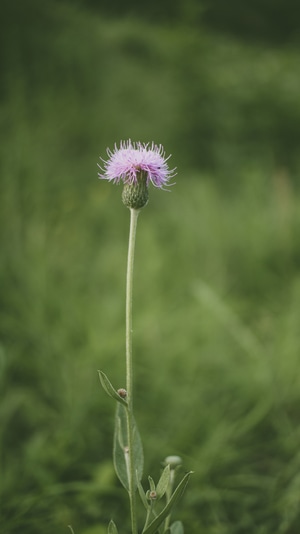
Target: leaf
x,y
120,449
177,528
120,455
112,529
151,483
109,389
142,495
138,454
152,528
163,482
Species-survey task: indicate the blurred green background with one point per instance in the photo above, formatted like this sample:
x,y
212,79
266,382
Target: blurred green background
x,y
217,283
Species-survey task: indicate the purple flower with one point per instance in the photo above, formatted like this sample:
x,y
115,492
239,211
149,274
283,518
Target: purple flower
x,y
125,164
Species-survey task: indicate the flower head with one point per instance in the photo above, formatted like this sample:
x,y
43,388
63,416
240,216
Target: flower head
x,y
133,160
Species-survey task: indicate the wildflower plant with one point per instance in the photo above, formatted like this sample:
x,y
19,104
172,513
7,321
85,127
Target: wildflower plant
x,y
136,165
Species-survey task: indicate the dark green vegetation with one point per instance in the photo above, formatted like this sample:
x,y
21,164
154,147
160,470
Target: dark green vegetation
x,y
217,285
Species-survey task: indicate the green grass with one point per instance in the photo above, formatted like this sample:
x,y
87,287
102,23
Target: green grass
x,y
217,286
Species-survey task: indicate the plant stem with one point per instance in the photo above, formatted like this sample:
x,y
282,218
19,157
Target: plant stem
x,y
168,497
129,371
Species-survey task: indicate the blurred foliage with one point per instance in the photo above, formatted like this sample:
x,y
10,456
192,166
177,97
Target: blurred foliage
x,y
264,20
269,21
213,101
217,288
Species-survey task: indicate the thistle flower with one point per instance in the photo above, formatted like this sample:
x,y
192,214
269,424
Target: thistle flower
x,y
136,165
127,163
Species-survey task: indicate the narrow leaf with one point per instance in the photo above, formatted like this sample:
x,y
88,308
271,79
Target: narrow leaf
x,y
152,528
177,528
163,482
142,494
112,529
151,483
120,448
109,389
138,454
120,453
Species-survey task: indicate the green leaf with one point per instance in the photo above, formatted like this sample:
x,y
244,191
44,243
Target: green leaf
x,y
120,455
112,529
152,528
138,454
151,483
109,389
177,528
142,495
163,482
120,448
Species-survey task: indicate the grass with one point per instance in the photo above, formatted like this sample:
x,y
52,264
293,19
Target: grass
x,y
216,329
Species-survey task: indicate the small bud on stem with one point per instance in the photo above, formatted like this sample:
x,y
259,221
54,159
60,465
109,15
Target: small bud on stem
x,y
151,495
122,392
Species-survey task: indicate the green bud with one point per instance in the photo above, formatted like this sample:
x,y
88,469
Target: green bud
x,y
173,461
135,196
151,495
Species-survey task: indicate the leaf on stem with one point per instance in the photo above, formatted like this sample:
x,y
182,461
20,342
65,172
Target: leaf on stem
x,y
109,389
152,528
138,453
112,529
163,482
142,494
121,451
151,484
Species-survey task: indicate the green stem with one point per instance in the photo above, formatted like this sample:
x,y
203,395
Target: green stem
x,y
150,510
129,372
168,497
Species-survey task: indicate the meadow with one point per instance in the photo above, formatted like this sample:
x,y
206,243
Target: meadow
x,y
217,285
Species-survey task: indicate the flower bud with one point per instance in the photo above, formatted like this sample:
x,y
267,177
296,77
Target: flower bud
x,y
135,195
122,392
173,461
